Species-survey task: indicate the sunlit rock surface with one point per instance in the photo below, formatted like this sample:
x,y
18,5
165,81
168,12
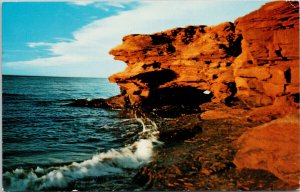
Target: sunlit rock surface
x,y
221,85
254,59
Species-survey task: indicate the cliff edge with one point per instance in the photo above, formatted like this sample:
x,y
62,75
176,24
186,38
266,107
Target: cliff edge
x,y
254,59
247,71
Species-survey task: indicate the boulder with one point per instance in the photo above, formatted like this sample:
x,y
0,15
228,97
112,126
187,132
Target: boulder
x,y
274,147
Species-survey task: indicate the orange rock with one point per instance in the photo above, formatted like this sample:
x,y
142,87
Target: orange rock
x,y
241,83
205,171
214,114
180,57
295,74
261,73
224,113
270,47
274,147
273,90
277,76
259,52
292,89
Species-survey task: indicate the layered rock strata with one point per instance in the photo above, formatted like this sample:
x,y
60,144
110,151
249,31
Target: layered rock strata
x,y
254,59
239,75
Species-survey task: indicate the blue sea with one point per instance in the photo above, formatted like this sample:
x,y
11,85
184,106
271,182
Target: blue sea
x,y
50,146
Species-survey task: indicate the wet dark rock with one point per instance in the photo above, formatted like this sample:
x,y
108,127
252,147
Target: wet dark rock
x,y
173,111
116,102
144,177
179,129
204,161
88,103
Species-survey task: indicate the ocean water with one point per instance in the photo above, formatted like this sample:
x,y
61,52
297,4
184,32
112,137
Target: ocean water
x,y
49,146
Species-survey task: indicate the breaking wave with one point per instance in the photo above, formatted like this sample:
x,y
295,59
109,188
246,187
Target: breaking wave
x,y
114,161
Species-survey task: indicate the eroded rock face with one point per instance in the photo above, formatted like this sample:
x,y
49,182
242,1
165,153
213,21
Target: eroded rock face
x,y
183,60
254,59
251,66
268,66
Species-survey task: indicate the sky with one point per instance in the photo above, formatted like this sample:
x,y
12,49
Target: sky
x,y
73,38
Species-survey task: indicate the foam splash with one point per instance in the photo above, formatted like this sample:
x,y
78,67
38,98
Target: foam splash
x,y
140,120
111,162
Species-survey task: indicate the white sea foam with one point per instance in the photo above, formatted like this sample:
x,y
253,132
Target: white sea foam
x,y
140,120
111,162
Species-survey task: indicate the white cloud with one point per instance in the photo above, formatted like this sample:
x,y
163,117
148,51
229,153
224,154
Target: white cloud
x,y
38,44
92,42
77,2
112,3
83,2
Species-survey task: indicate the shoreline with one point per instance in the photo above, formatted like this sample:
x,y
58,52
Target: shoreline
x,y
244,134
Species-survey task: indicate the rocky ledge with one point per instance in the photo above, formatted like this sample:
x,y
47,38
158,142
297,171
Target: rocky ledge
x,y
231,95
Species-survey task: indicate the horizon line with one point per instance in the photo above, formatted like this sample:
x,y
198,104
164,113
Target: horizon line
x,y
52,76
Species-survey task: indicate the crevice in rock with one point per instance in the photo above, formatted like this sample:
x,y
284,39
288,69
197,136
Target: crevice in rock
x,y
279,54
202,28
287,75
190,31
155,78
231,87
284,19
208,62
160,39
155,65
235,48
137,92
228,64
170,48
215,76
230,27
296,98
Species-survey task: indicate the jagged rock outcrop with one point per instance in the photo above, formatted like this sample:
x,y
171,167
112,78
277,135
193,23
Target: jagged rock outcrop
x,y
248,69
254,59
183,60
268,67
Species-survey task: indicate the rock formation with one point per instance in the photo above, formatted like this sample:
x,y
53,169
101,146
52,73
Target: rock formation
x,y
178,65
231,93
250,66
268,67
254,59
272,146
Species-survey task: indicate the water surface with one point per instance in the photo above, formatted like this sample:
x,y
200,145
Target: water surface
x,y
47,145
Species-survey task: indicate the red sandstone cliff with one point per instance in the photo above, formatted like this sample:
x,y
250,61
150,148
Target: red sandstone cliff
x,y
253,61
258,54
191,59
